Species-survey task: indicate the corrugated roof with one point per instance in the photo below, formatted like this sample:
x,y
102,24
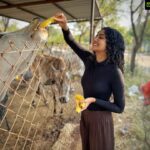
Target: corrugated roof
x,y
26,10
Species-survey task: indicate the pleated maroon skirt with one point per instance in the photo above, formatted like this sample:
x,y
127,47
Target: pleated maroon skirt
x,y
97,130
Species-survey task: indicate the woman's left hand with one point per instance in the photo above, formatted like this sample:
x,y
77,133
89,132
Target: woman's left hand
x,y
88,101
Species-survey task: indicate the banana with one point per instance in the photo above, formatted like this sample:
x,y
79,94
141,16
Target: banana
x,y
47,22
79,105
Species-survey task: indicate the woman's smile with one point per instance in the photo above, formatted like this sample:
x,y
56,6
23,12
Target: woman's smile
x,y
99,42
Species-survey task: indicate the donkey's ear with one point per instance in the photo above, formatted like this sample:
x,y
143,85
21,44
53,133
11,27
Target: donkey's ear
x,y
33,25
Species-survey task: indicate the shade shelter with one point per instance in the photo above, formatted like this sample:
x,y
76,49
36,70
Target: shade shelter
x,y
75,10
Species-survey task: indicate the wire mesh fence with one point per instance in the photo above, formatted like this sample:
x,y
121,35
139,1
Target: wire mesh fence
x,y
34,96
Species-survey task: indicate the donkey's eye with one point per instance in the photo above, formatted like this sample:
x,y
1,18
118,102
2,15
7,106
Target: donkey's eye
x,y
53,81
50,82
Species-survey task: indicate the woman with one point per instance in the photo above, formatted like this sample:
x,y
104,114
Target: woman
x,y
102,77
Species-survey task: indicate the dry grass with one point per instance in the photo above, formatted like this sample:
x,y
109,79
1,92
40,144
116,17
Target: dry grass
x,y
132,122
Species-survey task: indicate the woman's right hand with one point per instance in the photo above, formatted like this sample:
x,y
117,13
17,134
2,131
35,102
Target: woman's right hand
x,y
61,19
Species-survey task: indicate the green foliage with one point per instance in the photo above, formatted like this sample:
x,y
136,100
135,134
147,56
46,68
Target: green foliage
x,y
82,32
126,34
12,26
55,35
110,19
140,76
146,43
107,8
147,31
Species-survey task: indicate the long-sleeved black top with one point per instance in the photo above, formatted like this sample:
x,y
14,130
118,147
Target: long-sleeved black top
x,y
100,79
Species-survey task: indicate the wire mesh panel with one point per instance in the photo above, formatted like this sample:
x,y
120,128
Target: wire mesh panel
x,y
36,94
17,53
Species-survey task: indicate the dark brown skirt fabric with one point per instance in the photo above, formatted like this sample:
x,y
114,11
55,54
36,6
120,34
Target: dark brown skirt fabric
x,y
97,130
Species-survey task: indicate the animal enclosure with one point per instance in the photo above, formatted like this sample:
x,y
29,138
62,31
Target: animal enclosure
x,y
36,94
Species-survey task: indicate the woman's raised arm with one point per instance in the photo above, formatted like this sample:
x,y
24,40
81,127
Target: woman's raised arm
x,y
77,48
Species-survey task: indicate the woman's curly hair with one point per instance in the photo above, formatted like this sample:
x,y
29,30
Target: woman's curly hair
x,y
115,47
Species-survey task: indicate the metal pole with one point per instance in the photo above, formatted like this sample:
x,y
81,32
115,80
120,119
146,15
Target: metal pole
x,y
92,19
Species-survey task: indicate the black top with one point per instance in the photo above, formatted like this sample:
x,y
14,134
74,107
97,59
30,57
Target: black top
x,y
100,79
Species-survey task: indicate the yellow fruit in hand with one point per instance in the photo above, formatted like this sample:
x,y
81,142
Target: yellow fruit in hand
x,y
47,22
79,97
79,103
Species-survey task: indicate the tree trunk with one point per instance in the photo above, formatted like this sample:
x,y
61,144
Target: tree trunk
x,y
80,36
133,57
5,23
138,31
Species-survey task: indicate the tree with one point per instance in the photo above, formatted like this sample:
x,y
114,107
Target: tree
x,y
55,35
146,43
5,21
107,13
6,25
83,27
138,29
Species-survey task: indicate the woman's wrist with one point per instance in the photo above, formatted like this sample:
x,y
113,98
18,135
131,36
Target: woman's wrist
x,y
65,27
94,100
